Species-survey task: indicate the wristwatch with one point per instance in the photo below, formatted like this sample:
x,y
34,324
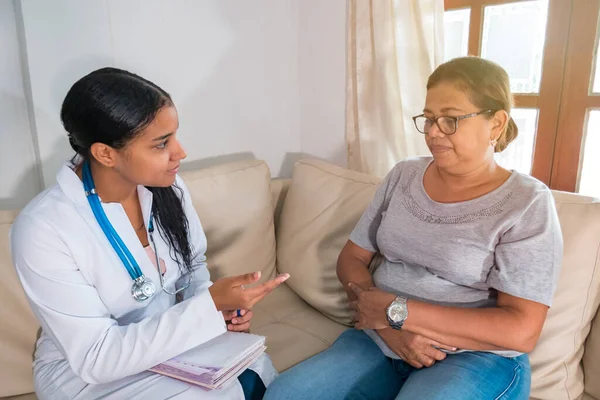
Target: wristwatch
x,y
397,312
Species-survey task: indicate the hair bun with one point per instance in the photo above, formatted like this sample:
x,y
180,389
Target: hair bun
x,y
75,146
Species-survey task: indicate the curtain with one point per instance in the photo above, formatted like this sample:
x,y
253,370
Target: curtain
x,y
392,46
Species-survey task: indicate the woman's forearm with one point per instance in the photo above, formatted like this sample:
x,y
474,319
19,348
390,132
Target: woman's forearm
x,y
496,328
355,269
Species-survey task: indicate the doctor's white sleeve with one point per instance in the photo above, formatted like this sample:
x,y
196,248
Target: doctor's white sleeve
x,y
73,314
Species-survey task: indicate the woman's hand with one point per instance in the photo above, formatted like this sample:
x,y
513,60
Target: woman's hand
x,y
370,307
414,349
230,294
238,324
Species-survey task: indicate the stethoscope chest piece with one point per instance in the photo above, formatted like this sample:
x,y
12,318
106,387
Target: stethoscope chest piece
x,y
142,289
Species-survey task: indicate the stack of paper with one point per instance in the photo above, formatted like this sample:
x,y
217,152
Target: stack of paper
x,y
215,363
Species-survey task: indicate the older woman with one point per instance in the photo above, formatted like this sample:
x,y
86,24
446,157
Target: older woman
x,y
471,255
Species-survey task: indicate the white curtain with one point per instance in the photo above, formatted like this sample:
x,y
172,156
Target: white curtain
x,y
393,46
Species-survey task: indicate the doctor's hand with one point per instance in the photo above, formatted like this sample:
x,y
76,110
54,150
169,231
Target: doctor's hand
x,y
238,324
230,294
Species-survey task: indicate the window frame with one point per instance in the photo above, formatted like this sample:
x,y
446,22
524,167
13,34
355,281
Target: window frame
x,y
565,94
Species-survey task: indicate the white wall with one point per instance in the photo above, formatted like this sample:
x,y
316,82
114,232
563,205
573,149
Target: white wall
x,y
18,179
261,79
322,78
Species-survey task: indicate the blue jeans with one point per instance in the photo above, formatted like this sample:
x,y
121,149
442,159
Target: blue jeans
x,y
252,385
355,368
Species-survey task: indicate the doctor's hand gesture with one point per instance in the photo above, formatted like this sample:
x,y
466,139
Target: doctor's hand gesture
x,y
230,294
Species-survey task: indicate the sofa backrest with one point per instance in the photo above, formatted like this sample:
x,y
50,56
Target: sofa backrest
x,y
225,195
18,326
234,203
557,359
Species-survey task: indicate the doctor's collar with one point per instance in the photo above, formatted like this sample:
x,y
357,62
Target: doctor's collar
x,y
72,186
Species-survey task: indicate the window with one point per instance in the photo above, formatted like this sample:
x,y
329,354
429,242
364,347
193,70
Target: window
x,y
456,33
550,50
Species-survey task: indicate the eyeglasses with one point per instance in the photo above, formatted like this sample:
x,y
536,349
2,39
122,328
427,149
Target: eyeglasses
x,y
446,124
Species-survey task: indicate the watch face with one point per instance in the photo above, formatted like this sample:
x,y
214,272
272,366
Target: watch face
x,y
397,313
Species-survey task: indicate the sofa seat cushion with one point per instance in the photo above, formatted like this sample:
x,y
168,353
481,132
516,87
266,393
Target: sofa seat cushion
x,y
295,331
234,202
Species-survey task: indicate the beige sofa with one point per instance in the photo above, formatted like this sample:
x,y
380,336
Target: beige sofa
x,y
299,226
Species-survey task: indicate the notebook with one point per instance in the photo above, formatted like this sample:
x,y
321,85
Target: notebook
x,y
216,363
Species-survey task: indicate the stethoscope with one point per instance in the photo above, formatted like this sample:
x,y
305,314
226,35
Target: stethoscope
x,y
142,288
160,275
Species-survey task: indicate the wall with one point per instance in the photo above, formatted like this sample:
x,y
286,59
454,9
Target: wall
x,y
18,179
322,78
261,79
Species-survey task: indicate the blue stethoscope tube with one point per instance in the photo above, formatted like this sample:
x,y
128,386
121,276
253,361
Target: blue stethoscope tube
x,y
142,288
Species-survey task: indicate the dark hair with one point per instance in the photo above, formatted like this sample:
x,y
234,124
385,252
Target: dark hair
x,y
112,106
487,85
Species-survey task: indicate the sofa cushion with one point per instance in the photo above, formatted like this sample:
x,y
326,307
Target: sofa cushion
x,y
234,202
591,359
295,331
29,396
556,360
279,189
18,326
322,206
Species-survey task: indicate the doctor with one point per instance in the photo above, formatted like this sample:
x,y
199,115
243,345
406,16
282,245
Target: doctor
x,y
112,257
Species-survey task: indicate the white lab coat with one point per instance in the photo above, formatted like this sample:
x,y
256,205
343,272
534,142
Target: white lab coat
x,y
97,341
